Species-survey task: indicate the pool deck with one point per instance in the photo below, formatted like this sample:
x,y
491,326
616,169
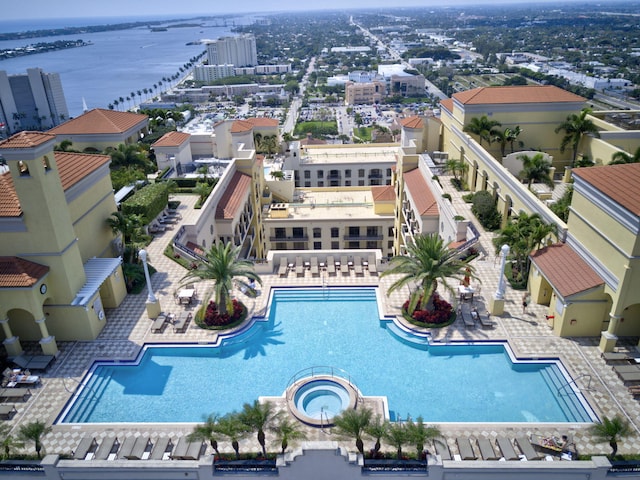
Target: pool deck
x,y
128,328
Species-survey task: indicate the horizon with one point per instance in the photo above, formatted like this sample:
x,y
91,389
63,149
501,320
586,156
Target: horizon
x,y
77,9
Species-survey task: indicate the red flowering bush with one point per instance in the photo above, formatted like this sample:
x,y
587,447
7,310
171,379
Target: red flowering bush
x,y
213,317
441,313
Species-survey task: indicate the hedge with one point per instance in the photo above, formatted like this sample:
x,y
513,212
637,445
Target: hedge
x,y
147,202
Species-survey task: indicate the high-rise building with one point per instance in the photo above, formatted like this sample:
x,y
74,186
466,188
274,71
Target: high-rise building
x,y
239,51
31,101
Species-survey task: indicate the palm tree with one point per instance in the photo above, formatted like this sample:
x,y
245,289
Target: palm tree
x,y
611,430
202,189
352,424
621,157
223,266
287,430
126,225
277,174
512,134
457,168
207,431
8,441
428,262
232,428
377,429
419,433
397,435
257,417
482,127
574,127
536,169
34,431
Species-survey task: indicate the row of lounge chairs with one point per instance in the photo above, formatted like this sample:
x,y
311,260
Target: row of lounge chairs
x,y
503,449
344,266
179,323
472,317
138,448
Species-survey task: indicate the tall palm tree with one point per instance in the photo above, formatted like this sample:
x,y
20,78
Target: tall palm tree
x,y
419,434
8,441
536,169
258,417
34,431
223,266
512,135
126,225
397,435
233,429
611,430
377,429
574,127
353,423
428,262
621,157
482,127
207,431
287,430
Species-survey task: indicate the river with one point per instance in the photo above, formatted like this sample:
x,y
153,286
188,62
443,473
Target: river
x,y
117,63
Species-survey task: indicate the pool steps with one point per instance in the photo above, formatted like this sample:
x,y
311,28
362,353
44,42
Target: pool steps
x,y
557,382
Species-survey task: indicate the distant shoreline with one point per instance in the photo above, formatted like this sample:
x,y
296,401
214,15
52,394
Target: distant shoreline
x,y
41,48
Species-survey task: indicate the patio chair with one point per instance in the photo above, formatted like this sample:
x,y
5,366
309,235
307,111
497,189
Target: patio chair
x,y
357,266
127,447
344,265
162,449
526,447
466,318
140,446
7,411
299,267
626,369
373,270
180,324
15,394
107,449
315,272
442,449
159,322
86,447
484,319
506,448
617,357
331,265
487,452
284,267
186,450
629,376
465,448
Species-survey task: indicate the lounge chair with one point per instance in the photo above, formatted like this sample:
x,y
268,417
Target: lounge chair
x,y
487,451
315,271
180,324
15,394
284,267
107,449
442,448
331,266
629,376
299,267
7,411
161,448
138,448
186,450
127,447
506,448
465,448
40,362
526,447
357,266
22,380
373,270
484,319
617,357
86,447
468,321
626,369
22,360
344,265
158,323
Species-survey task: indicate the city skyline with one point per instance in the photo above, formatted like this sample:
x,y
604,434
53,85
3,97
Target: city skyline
x,y
39,9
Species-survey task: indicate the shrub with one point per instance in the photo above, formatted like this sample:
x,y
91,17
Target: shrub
x,y
213,317
148,202
447,196
468,198
439,316
484,208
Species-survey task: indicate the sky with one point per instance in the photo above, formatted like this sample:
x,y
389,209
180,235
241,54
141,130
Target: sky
x,y
32,9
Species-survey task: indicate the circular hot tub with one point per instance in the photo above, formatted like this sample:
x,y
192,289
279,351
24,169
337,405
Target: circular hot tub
x,y
317,400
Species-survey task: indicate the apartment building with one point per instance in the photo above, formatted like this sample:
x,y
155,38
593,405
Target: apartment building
x,y
239,51
357,93
211,73
31,101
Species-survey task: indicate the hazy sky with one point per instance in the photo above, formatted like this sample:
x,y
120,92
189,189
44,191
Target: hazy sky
x,y
120,8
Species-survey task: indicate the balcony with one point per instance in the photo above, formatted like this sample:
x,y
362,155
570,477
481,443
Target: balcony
x,y
363,237
304,238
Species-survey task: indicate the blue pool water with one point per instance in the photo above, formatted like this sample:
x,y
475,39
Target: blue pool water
x,y
338,327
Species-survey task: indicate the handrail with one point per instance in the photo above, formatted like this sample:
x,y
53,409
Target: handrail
x,y
562,387
321,370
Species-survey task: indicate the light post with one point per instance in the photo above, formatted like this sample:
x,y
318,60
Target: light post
x,y
153,305
496,305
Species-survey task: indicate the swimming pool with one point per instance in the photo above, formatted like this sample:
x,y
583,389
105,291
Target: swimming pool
x,y
340,327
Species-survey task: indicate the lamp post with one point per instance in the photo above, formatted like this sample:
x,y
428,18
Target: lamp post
x,y
496,304
153,305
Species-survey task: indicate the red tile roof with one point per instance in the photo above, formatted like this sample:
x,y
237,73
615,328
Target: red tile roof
x,y
565,270
9,203
447,104
618,182
421,193
18,272
99,120
172,139
239,126
233,196
412,122
516,94
26,140
73,167
249,123
383,193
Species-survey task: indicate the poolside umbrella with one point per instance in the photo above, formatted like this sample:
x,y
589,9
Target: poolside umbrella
x,y
467,277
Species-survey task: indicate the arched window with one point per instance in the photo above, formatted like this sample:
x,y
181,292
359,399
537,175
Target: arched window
x,y
24,170
46,164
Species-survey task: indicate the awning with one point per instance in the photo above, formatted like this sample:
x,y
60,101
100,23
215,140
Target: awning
x,y
97,270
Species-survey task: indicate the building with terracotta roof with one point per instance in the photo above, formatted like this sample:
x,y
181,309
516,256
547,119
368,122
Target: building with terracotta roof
x,y
173,150
57,267
99,128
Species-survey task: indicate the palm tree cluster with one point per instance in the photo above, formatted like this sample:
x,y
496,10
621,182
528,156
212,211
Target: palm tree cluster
x,y
574,127
483,128
536,168
524,234
428,262
253,418
267,144
32,431
620,158
360,422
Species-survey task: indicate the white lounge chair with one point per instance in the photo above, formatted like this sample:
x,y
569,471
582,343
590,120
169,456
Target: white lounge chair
x,y
344,265
373,270
315,271
284,267
299,267
331,266
357,266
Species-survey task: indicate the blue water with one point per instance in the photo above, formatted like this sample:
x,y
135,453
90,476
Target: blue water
x,y
116,64
305,328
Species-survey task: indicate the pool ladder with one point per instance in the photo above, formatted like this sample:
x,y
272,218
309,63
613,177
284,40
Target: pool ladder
x,y
324,416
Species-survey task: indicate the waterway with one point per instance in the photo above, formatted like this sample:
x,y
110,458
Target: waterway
x,y
117,62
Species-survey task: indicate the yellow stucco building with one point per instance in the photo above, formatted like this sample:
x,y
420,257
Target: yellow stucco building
x,y
57,267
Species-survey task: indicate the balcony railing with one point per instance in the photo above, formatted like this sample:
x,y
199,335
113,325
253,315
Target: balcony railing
x,y
363,237
304,238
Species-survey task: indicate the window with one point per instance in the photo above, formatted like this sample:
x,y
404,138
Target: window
x,y
388,172
299,245
298,232
24,170
390,244
307,174
317,245
307,184
320,183
281,233
211,229
45,163
335,245
347,183
317,232
335,232
354,231
372,231
320,174
354,244
281,246
372,244
390,232
361,183
347,174
361,173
